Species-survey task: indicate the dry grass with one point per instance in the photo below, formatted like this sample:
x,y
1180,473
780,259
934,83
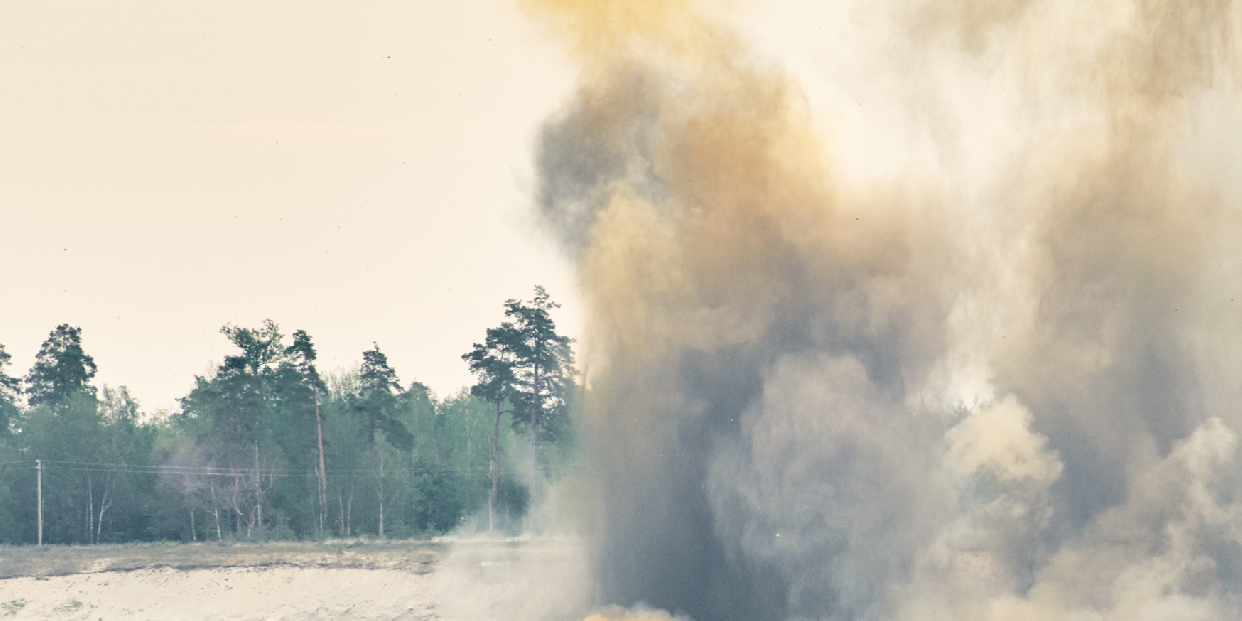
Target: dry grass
x,y
58,560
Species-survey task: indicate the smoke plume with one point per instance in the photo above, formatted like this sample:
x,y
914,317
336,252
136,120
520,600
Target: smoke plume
x,y
1010,394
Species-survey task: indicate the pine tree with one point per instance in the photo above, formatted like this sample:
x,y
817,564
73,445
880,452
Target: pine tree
x,y
378,397
10,394
61,369
525,362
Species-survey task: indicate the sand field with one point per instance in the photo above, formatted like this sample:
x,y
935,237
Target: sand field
x,y
446,581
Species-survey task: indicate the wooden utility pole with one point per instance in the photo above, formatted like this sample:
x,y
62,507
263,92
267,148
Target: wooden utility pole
x,y
39,468
323,474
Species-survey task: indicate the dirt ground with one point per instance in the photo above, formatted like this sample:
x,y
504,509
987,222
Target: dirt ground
x,y
445,581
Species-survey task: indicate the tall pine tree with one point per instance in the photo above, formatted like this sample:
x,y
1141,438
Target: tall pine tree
x,y
61,369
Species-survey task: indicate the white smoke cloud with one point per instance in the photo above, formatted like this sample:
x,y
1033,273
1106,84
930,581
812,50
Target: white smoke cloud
x,y
999,384
1154,557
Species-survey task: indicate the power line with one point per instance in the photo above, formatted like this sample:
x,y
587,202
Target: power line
x,y
169,469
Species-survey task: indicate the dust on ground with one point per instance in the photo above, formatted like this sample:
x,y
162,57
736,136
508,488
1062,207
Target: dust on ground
x,y
446,580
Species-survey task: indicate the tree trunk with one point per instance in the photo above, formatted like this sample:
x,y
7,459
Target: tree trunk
x,y
237,517
90,510
381,495
492,497
323,473
534,412
340,514
349,511
215,510
105,503
258,491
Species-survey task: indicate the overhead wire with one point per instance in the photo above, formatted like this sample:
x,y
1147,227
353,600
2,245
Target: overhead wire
x,y
177,470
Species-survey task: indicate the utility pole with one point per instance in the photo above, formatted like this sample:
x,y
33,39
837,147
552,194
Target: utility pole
x,y
39,468
323,475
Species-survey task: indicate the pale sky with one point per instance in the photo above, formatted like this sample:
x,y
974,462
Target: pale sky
x,y
358,170
363,171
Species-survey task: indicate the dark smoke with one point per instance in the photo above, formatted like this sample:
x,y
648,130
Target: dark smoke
x,y
776,424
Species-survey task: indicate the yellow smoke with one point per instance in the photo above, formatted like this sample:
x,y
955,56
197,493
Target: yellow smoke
x,y
638,614
769,342
610,30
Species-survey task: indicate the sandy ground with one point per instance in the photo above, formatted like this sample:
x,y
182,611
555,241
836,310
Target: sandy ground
x,y
228,593
476,582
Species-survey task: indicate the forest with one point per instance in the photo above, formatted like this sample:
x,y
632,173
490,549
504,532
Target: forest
x,y
266,447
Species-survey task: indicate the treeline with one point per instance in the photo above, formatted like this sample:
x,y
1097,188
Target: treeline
x,y
265,447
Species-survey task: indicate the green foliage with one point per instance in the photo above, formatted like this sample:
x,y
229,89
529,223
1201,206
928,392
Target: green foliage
x,y
240,458
526,362
85,502
10,395
493,363
61,368
377,399
253,421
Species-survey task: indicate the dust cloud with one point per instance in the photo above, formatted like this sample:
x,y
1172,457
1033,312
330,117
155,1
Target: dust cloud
x,y
1004,387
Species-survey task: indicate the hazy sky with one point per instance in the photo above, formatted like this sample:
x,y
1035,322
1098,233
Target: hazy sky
x,y
363,171
360,171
